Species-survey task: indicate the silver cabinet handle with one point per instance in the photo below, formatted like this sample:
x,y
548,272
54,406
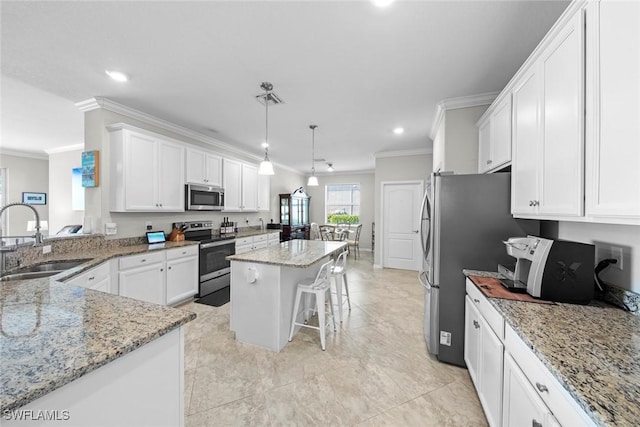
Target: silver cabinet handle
x,y
477,301
143,260
476,324
489,162
536,423
542,388
91,278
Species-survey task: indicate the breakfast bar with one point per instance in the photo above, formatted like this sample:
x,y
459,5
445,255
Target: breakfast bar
x,y
263,288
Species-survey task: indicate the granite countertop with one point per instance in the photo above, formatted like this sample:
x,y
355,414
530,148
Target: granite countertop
x,y
53,333
592,350
296,253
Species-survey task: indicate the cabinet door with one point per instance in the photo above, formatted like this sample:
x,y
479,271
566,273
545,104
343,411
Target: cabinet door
x,y
249,188
144,283
613,110
232,174
213,170
501,133
140,168
264,192
472,340
526,130
182,278
484,146
170,177
490,367
196,166
522,406
561,190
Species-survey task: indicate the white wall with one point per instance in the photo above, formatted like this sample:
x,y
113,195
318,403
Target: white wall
x,y
367,200
133,224
605,235
60,210
400,168
24,174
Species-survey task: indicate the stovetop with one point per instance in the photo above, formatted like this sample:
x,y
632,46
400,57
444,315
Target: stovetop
x,y
201,231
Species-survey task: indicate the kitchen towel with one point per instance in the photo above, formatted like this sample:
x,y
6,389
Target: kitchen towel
x,y
492,288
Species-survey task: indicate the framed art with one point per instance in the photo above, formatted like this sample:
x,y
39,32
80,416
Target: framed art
x,y
34,198
90,168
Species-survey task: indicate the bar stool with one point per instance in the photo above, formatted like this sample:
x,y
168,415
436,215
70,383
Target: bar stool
x,y
320,288
339,273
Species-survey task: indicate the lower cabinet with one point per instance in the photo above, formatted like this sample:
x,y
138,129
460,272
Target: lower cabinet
x,y
98,278
259,241
522,406
164,277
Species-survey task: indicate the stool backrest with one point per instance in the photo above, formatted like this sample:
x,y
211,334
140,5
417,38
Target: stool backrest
x,y
322,278
341,262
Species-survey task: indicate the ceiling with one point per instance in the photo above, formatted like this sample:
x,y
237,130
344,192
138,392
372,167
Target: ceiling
x,y
353,69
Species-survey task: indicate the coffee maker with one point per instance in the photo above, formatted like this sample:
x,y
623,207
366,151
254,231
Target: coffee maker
x,y
553,270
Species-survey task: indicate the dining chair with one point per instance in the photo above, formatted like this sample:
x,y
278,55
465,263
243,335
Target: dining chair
x,y
355,242
315,231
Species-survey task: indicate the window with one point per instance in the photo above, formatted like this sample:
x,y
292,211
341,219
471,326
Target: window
x,y
342,203
3,198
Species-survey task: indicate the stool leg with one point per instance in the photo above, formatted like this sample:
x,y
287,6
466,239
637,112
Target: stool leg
x,y
346,288
307,307
333,317
338,280
294,316
321,316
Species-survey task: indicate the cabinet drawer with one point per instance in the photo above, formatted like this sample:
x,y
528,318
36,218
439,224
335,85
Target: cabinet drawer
x,y
260,238
491,315
240,249
142,259
260,245
182,252
92,276
241,241
562,405
274,237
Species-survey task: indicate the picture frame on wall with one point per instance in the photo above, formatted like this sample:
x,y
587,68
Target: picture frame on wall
x,y
30,198
90,168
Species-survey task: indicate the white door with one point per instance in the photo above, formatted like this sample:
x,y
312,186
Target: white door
x,y
400,225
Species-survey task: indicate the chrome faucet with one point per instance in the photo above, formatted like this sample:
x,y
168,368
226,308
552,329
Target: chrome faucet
x,y
38,235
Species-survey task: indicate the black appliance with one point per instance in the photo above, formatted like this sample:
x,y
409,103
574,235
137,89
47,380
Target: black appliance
x,y
214,270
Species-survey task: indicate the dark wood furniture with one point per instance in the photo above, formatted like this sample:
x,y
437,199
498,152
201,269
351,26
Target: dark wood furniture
x,y
294,215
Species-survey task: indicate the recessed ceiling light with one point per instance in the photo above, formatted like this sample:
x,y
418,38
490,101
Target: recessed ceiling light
x,y
382,3
117,75
398,131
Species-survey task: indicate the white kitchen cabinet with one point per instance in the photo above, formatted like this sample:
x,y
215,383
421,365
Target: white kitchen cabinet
x,y
182,274
548,134
274,239
522,406
494,137
264,192
258,241
98,278
147,171
203,168
483,355
146,282
241,186
613,111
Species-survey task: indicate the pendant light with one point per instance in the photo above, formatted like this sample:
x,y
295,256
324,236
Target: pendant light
x,y
313,180
266,167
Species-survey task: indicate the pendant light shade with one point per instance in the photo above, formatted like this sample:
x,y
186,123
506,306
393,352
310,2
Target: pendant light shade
x,y
266,167
313,180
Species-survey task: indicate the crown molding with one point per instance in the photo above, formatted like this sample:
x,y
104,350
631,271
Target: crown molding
x,y
337,173
460,102
65,149
18,153
107,104
403,153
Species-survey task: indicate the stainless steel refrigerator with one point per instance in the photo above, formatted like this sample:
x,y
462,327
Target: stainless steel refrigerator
x,y
464,219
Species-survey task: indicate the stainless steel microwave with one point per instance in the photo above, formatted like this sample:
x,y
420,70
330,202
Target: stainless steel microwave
x,y
203,198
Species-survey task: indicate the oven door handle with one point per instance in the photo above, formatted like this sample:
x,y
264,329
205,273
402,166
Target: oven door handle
x,y
220,243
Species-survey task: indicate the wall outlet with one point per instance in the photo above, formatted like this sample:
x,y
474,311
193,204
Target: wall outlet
x,y
149,226
46,249
617,254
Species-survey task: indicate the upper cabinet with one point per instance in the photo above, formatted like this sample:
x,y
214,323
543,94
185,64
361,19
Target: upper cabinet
x,y
240,186
494,136
203,168
147,171
613,111
548,134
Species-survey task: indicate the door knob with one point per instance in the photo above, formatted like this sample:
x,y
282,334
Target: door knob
x,y
416,231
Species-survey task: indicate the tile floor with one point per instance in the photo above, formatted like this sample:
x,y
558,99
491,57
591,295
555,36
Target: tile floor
x,y
375,370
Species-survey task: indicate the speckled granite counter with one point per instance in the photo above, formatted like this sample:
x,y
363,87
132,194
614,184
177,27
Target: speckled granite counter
x,y
593,351
53,333
293,253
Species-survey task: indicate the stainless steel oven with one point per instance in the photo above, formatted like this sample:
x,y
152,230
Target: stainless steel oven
x,y
214,269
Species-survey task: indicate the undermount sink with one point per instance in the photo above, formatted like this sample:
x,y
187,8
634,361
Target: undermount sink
x,y
53,266
28,275
42,270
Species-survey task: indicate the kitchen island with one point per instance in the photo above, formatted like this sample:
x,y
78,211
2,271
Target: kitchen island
x,y
88,358
263,288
